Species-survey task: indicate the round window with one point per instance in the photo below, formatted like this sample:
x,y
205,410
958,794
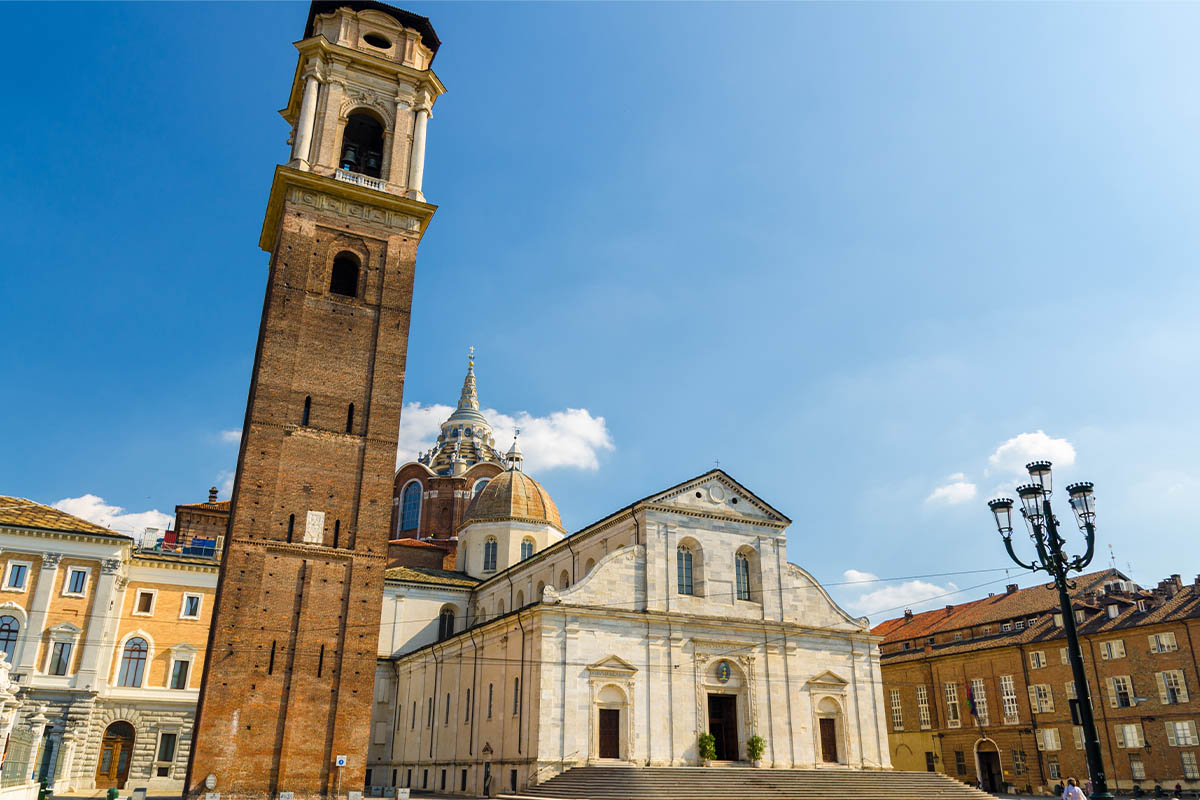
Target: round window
x,y
375,40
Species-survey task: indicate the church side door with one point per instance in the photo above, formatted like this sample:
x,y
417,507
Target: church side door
x,y
828,740
610,733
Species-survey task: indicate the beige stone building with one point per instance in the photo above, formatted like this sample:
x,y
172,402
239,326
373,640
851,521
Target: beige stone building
x,y
105,644
676,615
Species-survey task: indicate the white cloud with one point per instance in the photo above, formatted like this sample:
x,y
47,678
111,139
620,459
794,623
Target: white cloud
x,y
231,437
225,483
887,601
1013,455
957,489
571,438
94,509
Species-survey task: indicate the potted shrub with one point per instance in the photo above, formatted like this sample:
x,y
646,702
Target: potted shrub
x,y
755,747
708,747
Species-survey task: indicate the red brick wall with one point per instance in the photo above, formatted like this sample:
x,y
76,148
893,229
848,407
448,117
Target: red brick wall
x,y
292,650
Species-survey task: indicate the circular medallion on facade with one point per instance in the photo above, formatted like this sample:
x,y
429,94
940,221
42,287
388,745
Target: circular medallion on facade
x,y
723,672
717,493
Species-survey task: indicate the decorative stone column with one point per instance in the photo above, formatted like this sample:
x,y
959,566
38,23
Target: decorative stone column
x,y
97,631
416,167
302,142
37,611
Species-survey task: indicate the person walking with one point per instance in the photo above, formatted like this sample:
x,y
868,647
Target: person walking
x,y
1072,791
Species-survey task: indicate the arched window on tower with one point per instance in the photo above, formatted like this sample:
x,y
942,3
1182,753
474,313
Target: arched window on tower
x,y
133,662
343,278
526,548
362,145
489,554
683,561
10,627
410,507
479,484
446,623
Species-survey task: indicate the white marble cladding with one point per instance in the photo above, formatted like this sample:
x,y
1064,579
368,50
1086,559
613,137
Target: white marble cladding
x,y
613,632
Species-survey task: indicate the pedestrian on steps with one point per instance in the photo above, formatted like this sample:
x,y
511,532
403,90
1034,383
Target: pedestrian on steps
x,y
1072,791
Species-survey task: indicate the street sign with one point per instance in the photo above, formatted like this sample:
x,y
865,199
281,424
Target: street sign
x,y
402,794
340,761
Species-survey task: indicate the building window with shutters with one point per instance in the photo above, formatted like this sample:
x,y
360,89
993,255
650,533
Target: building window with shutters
x,y
1182,733
1018,762
1047,739
953,718
1121,689
1008,698
897,711
923,708
1137,769
1129,736
1112,650
1037,659
1077,736
1041,699
1163,642
1171,687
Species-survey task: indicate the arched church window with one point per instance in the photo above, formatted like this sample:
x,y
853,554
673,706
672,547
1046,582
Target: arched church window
x,y
343,278
10,627
591,562
742,564
133,662
526,548
683,563
564,580
410,507
446,624
489,554
362,145
479,484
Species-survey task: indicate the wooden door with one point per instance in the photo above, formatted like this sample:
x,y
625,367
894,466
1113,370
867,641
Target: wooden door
x,y
722,724
610,733
116,750
829,752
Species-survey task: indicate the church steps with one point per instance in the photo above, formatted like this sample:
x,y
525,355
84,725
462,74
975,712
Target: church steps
x,y
745,783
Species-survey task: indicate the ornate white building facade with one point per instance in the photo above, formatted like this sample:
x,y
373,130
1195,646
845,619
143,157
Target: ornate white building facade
x,y
621,643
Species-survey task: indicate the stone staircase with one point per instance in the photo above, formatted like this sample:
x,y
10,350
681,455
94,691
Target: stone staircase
x,y
747,783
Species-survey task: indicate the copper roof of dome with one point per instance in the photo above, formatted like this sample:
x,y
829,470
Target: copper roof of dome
x,y
513,496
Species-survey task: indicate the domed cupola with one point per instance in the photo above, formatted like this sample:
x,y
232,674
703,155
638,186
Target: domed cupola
x,y
466,438
512,518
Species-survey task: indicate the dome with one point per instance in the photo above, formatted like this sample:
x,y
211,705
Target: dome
x,y
514,496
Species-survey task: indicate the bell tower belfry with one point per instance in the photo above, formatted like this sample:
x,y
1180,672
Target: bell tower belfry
x,y
290,668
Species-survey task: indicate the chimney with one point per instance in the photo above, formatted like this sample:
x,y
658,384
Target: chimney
x,y
212,495
1010,588
1198,580
949,609
909,615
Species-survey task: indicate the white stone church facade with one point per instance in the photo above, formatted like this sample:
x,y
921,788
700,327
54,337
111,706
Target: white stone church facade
x,y
676,615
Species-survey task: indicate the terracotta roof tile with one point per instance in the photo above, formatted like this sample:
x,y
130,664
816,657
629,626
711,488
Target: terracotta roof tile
x,y
416,543
220,505
513,495
27,514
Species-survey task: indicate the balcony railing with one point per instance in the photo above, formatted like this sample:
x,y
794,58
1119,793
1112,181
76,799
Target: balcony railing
x,y
377,184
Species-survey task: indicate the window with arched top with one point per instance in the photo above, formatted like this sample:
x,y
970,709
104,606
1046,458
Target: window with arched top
x,y
133,662
564,579
479,484
489,554
591,562
520,599
410,507
10,628
446,623
362,145
742,569
343,278
527,545
683,565
541,587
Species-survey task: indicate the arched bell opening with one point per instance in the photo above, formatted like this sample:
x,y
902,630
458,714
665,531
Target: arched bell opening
x,y
362,145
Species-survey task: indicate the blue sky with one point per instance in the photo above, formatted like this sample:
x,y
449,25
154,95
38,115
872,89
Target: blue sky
x,y
858,252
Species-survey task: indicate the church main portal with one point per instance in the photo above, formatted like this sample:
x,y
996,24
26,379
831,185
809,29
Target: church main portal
x,y
722,724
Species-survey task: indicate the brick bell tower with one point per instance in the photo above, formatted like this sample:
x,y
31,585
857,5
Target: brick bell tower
x,y
290,672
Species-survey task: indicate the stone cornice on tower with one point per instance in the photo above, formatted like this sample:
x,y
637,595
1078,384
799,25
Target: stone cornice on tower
x,y
388,211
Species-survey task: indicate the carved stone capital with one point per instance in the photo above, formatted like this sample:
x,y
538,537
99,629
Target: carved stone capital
x,y
110,566
50,560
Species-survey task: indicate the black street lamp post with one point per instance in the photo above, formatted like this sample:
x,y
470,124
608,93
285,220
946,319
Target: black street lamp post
x,y
1043,531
